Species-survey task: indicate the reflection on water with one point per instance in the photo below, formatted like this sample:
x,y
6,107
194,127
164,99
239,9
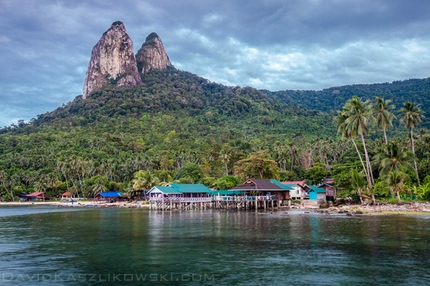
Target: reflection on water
x,y
120,246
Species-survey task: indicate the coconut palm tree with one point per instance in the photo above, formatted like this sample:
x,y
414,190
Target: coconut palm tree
x,y
383,116
412,115
341,128
393,158
4,179
144,180
358,183
353,121
395,181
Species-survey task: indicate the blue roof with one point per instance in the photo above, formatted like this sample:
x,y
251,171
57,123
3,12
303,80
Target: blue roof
x,y
287,187
182,189
316,189
165,190
110,194
191,188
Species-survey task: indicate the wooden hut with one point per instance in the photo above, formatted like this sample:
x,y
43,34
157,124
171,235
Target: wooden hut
x,y
330,191
66,196
267,189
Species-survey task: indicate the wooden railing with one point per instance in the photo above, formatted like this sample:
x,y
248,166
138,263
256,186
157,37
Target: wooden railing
x,y
181,199
210,199
243,198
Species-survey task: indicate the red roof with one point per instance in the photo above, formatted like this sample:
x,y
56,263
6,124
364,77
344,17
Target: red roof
x,y
36,194
66,194
301,183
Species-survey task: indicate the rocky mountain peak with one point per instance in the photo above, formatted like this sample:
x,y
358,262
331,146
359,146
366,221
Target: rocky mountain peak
x,y
152,55
112,61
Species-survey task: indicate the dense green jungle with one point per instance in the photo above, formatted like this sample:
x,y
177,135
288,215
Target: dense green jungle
x,y
178,127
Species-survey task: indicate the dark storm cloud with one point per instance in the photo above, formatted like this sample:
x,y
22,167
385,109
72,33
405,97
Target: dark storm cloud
x,y
45,45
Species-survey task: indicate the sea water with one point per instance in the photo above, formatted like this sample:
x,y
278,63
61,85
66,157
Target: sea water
x,y
90,246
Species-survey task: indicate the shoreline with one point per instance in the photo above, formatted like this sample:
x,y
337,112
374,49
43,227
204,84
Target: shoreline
x,y
414,208
135,204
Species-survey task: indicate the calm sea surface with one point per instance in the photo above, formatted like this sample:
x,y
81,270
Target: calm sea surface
x,y
69,246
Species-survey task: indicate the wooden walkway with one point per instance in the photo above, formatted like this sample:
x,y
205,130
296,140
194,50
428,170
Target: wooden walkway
x,y
216,202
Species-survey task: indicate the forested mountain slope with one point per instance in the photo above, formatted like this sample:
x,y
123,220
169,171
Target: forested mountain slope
x,y
172,119
188,104
333,98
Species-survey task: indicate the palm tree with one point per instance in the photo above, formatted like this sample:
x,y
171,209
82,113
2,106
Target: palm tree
x,y
358,183
4,179
257,165
393,158
144,180
353,121
341,127
98,187
412,115
225,155
383,116
395,181
293,152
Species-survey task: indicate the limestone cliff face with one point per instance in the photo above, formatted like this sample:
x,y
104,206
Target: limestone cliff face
x,y
152,55
112,60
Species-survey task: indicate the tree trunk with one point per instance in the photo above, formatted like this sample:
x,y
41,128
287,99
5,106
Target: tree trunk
x,y
369,170
385,137
398,194
361,197
415,160
359,156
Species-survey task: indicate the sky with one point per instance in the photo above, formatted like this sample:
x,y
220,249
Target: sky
x,y
45,45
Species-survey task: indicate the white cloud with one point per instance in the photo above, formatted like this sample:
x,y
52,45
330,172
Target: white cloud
x,y
277,44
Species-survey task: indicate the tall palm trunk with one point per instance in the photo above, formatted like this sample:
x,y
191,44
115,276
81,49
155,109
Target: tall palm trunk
x,y
359,156
369,170
385,136
413,152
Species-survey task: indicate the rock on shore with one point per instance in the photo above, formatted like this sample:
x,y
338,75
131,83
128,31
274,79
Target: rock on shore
x,y
414,207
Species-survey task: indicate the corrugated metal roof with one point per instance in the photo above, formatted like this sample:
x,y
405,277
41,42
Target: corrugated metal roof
x,y
301,183
262,185
35,194
110,194
181,189
226,192
286,187
317,189
191,188
165,190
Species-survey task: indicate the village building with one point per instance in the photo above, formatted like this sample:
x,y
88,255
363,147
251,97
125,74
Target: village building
x,y
111,196
180,196
268,189
66,196
296,187
36,196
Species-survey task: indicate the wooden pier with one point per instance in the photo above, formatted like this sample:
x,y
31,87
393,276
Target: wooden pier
x,y
216,202
180,203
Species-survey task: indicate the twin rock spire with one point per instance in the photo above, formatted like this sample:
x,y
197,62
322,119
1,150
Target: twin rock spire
x,y
113,60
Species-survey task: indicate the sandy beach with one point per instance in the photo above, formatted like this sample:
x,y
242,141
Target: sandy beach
x,y
135,204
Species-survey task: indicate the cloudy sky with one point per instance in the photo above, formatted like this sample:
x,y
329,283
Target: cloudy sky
x,y
45,45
